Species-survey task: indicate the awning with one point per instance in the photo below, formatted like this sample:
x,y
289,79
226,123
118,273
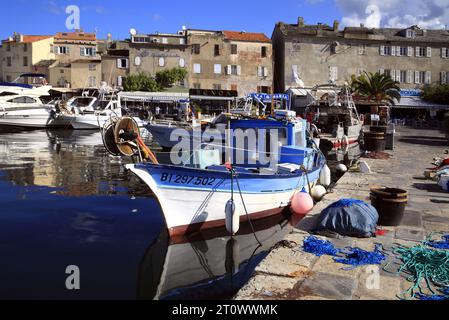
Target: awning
x,y
298,92
212,98
154,96
418,103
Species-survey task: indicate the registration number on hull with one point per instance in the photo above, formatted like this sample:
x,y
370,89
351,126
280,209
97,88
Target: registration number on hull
x,y
186,179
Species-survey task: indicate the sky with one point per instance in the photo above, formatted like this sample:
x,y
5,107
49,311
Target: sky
x,y
149,16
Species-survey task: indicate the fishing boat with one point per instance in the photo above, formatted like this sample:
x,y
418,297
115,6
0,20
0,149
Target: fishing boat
x,y
334,118
19,110
194,195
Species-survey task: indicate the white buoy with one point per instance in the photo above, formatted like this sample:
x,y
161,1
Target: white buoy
x,y
232,218
364,167
318,192
325,176
341,168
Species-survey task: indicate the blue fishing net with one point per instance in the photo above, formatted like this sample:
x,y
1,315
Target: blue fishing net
x,y
435,297
359,257
440,244
319,247
346,203
352,256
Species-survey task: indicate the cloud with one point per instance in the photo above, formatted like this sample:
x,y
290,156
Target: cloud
x,y
429,14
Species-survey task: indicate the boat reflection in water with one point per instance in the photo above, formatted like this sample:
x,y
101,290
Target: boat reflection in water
x,y
208,266
65,202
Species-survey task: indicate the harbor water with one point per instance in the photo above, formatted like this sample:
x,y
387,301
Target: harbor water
x,y
66,202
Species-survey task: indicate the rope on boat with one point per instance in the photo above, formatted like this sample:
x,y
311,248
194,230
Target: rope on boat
x,y
234,175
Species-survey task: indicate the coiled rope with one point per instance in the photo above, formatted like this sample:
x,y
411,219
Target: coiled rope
x,y
426,265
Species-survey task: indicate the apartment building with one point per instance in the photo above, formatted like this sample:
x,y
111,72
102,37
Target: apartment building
x,y
150,53
21,53
317,54
115,64
230,60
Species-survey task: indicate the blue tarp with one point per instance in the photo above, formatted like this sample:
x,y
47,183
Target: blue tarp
x,y
349,217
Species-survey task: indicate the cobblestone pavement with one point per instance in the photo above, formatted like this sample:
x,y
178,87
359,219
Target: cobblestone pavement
x,y
294,274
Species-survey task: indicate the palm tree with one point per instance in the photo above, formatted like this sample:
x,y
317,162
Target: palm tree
x,y
377,87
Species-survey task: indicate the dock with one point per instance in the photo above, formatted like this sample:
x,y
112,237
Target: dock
x,y
289,273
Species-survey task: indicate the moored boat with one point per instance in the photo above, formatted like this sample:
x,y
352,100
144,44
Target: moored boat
x,y
193,196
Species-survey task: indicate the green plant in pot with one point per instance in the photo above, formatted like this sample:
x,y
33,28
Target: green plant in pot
x,y
198,111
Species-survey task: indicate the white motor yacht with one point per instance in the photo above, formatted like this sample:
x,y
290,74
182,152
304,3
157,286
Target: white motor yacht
x,y
18,110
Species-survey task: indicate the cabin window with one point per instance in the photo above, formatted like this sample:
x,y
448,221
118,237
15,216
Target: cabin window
x,y
22,100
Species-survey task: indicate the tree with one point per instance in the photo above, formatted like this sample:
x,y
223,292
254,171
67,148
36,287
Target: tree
x,y
146,82
141,82
167,78
437,93
376,87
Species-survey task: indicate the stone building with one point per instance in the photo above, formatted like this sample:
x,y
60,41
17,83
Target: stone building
x,y
230,60
155,52
115,65
78,74
318,54
21,53
73,46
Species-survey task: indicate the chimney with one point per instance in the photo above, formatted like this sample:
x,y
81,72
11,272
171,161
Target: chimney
x,y
300,22
336,25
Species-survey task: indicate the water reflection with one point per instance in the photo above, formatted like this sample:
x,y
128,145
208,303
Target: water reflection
x,y
209,268
65,201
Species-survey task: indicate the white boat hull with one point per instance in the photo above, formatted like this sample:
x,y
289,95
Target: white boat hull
x,y
191,209
38,118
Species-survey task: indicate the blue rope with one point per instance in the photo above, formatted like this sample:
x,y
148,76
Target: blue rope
x,y
319,247
440,244
435,297
359,257
353,256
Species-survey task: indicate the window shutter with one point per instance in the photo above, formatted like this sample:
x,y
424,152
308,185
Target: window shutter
x,y
393,50
382,50
265,71
410,51
381,71
428,79
239,70
443,76
417,77
127,63
119,81
119,63
417,51
67,49
398,51
259,71
409,76
228,69
443,52
398,75
393,74
429,52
